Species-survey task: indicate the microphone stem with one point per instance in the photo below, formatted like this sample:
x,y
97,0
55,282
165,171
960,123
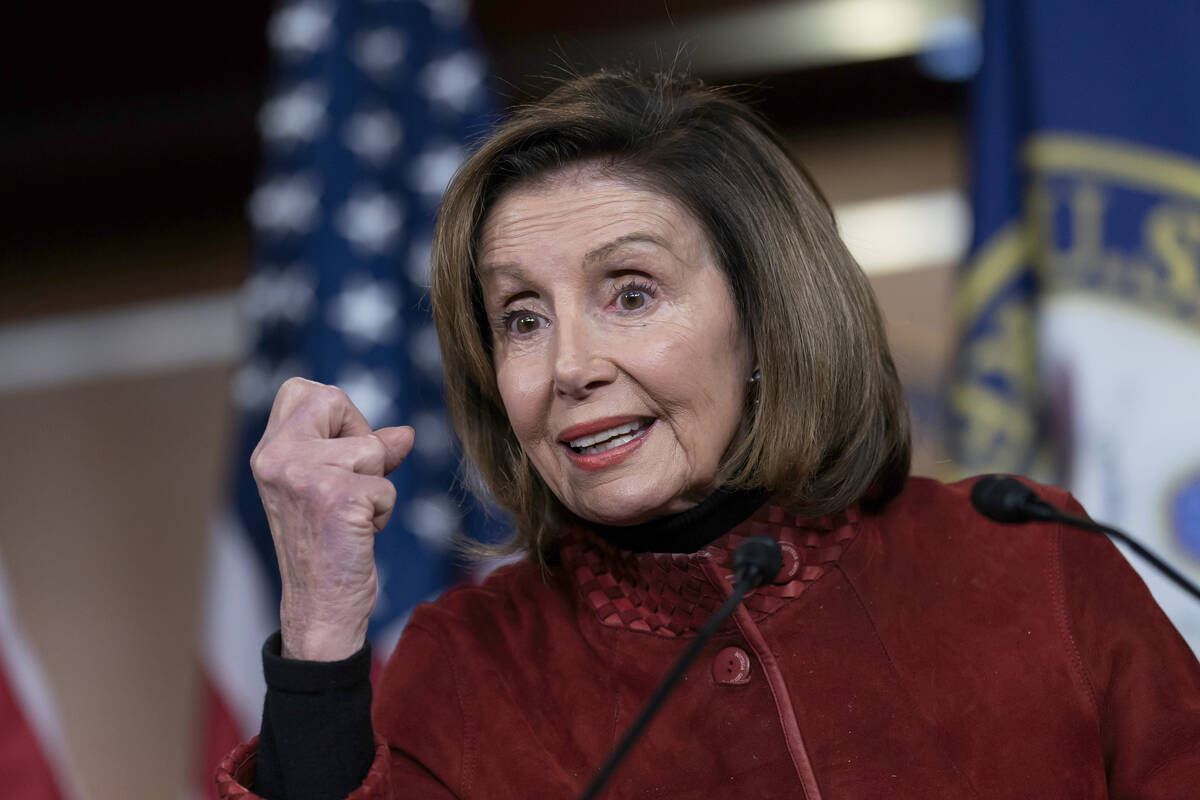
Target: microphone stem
x,y
1137,547
664,690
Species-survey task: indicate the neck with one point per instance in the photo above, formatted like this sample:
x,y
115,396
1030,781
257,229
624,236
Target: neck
x,y
687,531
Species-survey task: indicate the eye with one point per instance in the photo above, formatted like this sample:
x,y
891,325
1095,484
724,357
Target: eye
x,y
520,322
634,296
632,299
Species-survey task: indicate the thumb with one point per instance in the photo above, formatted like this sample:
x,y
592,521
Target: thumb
x,y
398,442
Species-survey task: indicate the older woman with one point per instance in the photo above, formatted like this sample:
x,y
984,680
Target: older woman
x,y
656,345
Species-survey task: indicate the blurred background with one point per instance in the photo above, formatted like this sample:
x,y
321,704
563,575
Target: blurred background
x,y
142,141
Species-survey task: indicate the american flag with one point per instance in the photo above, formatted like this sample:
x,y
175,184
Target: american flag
x,y
33,763
372,107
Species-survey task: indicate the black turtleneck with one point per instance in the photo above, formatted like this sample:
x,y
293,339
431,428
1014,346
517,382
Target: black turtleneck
x,y
687,531
317,742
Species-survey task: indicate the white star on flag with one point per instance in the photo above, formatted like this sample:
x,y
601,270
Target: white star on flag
x,y
370,391
453,80
365,311
378,51
425,352
278,294
297,115
419,256
433,441
369,219
433,518
301,29
372,135
434,168
447,13
255,384
285,204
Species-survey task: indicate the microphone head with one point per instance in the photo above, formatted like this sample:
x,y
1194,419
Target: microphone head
x,y
759,559
1003,499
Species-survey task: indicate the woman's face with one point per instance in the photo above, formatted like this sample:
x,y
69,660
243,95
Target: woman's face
x,y
619,354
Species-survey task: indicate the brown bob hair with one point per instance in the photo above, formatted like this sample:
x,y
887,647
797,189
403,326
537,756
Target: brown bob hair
x,y
826,426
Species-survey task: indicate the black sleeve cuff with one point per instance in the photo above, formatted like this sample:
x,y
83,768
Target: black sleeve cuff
x,y
312,677
317,742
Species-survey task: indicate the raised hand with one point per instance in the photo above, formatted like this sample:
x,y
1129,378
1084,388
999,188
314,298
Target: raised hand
x,y
321,473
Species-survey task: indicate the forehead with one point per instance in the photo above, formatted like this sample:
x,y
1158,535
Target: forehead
x,y
580,207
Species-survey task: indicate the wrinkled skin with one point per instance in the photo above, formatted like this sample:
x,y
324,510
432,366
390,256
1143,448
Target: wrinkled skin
x,y
607,304
320,472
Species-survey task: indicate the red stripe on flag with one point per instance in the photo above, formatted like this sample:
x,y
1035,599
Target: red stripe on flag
x,y
24,770
219,736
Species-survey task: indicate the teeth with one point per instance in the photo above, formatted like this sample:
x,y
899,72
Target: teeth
x,y
604,440
609,445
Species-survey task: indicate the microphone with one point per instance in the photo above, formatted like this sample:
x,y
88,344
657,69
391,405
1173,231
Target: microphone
x,y
756,561
1004,499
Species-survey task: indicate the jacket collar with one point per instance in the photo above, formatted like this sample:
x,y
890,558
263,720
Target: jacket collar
x,y
673,594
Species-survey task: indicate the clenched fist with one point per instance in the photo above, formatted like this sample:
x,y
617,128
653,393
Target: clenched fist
x,y
321,473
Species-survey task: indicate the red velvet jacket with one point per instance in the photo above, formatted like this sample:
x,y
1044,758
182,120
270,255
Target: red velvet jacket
x,y
924,652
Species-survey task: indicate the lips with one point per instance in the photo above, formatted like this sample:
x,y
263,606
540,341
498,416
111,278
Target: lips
x,y
608,438
605,442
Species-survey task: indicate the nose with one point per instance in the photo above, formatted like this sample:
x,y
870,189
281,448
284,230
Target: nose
x,y
579,365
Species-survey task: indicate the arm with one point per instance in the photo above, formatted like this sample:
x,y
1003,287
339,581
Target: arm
x,y
321,473
1143,676
317,741
237,771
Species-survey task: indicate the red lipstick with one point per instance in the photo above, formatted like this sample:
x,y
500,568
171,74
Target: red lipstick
x,y
609,458
594,426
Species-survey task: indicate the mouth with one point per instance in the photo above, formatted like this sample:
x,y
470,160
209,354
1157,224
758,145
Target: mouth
x,y
605,443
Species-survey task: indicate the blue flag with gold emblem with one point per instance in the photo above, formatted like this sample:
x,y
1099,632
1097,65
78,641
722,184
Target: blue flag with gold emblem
x,y
1078,311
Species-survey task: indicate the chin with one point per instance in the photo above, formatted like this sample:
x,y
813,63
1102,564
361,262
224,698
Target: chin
x,y
626,507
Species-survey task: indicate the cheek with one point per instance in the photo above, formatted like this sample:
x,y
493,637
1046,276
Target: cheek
x,y
521,387
672,347
694,366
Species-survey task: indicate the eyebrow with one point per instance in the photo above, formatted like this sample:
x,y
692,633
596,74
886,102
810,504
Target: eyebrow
x,y
606,250
510,267
592,256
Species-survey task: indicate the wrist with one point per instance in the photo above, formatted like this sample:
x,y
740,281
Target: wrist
x,y
313,643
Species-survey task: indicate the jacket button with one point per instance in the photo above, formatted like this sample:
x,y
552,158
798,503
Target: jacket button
x,y
731,667
791,563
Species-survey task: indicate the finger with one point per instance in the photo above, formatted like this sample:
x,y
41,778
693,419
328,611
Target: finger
x,y
305,409
287,397
382,495
397,443
365,455
333,416
349,421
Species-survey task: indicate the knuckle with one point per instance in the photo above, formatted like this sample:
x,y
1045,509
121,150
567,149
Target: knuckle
x,y
331,396
351,511
263,464
298,384
292,389
325,488
298,478
375,454
338,497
